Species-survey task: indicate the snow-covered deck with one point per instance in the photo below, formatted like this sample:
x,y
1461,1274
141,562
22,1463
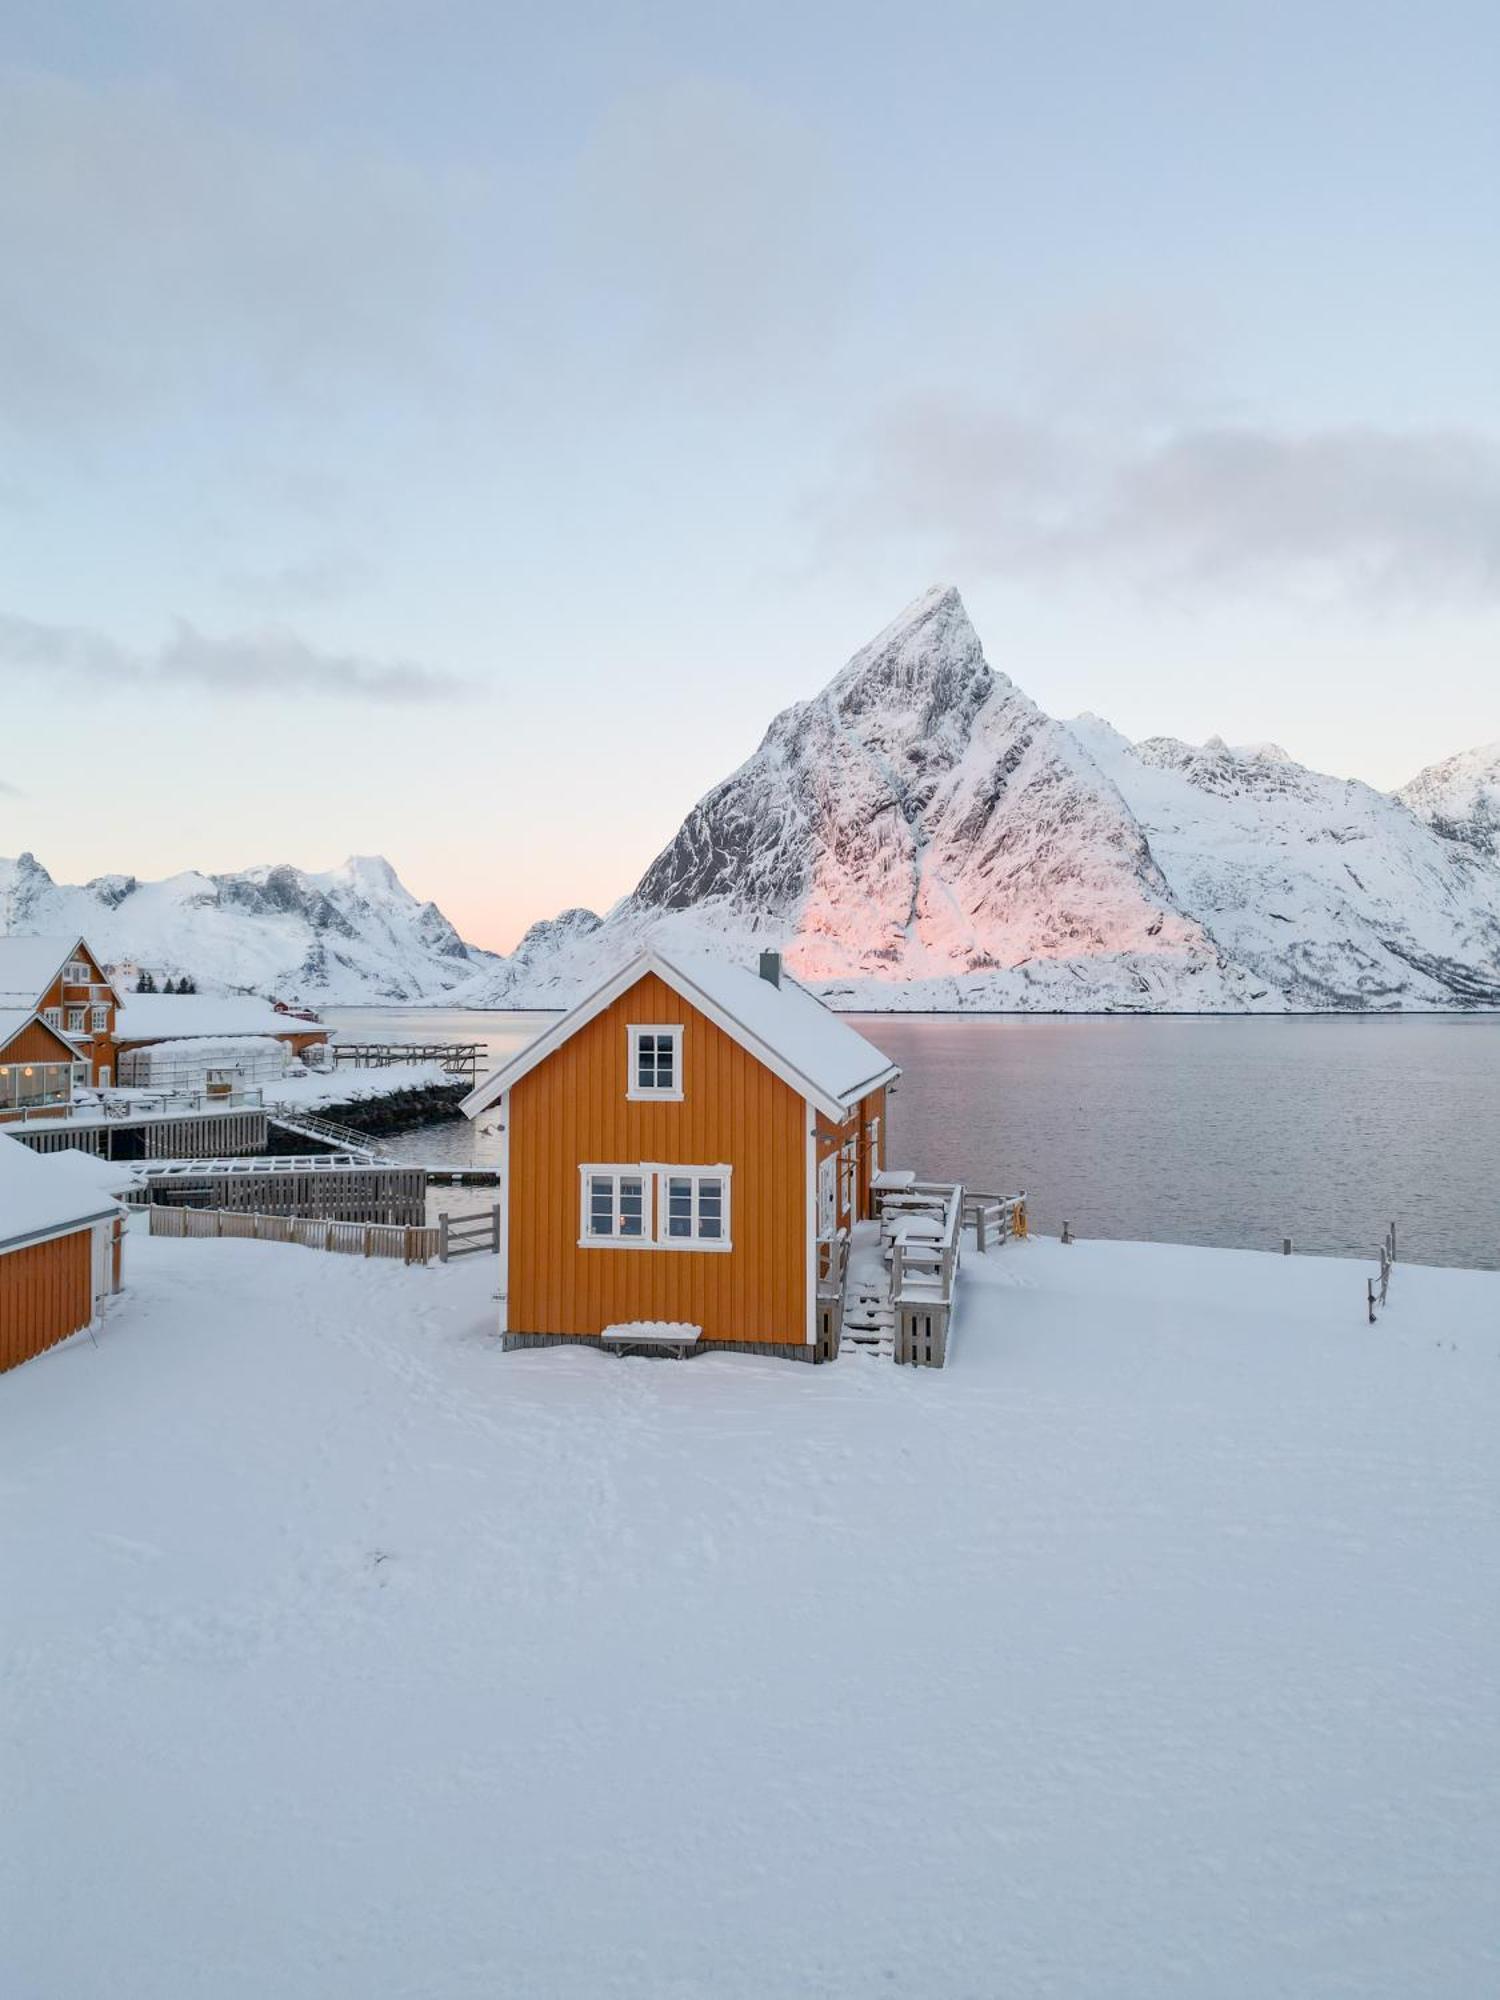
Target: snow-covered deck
x,y
1148,1650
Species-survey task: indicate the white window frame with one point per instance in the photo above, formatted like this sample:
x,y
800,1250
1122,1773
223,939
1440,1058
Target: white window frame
x,y
615,1171
76,1020
656,1206
828,1194
77,973
848,1157
696,1175
52,1016
634,1090
99,1019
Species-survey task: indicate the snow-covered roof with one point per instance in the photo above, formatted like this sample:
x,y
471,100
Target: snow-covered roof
x,y
161,1017
783,1025
48,1194
14,1019
28,965
218,1048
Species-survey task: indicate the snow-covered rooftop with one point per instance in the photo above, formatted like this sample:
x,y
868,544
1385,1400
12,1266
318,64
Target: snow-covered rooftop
x,y
28,966
789,1020
44,1193
160,1017
782,1024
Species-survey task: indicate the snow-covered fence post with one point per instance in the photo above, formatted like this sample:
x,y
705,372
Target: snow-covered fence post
x,y
443,1237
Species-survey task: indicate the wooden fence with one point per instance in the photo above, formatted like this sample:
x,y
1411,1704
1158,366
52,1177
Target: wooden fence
x,y
469,1235
412,1243
1376,1288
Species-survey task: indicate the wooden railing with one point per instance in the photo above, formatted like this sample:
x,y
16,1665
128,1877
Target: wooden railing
x,y
412,1243
995,1218
832,1264
924,1273
475,1234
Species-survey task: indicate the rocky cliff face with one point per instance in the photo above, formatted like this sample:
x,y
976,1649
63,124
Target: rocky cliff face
x,y
1460,799
352,934
923,835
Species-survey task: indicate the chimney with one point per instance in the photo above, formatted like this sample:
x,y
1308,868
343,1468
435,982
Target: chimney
x,y
770,966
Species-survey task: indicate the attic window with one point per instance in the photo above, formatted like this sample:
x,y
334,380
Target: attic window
x,y
76,973
655,1063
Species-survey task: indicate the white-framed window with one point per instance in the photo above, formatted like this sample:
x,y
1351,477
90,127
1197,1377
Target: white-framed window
x,y
650,1207
98,1020
828,1194
655,1062
80,1076
76,973
616,1204
75,1020
848,1175
52,1016
693,1207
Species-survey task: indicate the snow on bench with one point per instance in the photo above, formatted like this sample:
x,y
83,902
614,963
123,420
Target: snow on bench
x,y
673,1333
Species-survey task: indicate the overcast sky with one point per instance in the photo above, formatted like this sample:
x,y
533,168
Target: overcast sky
x,y
452,430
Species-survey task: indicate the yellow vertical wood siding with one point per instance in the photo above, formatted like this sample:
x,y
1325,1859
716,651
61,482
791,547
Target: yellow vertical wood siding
x,y
573,1110
46,1293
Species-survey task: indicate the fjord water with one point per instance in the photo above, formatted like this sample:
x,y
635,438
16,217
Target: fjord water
x,y
1234,1131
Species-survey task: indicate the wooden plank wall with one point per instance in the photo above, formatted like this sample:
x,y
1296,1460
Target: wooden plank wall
x,y
46,1293
573,1109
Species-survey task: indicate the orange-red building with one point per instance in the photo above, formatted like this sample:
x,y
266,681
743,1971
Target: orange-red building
x,y
61,982
60,1247
674,1152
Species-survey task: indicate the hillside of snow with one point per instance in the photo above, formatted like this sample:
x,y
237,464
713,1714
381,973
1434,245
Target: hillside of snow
x,y
349,935
922,835
1460,799
1147,1650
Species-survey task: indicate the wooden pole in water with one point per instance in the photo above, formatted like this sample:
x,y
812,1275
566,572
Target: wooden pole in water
x,y
1067,1235
1286,1246
1370,1297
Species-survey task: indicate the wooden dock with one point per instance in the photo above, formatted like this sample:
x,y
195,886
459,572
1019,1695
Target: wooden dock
x,y
461,1060
330,1185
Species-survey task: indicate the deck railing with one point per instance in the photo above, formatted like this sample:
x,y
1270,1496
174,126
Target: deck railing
x,y
923,1272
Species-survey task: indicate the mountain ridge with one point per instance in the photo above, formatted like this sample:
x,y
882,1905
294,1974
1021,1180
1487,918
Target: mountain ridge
x,y
921,835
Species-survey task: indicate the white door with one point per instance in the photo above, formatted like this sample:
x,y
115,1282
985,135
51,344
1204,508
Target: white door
x,y
828,1194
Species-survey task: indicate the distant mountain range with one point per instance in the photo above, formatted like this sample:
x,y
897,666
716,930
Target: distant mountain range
x,y
351,935
921,835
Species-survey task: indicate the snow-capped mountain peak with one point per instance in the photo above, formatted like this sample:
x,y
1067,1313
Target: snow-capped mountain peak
x,y
1460,798
922,834
353,933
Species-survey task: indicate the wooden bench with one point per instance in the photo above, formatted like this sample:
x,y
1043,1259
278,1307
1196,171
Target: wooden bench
x,y
651,1336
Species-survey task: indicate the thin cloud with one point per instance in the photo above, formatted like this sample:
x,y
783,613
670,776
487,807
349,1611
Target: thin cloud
x,y
713,227
268,661
9,791
1381,515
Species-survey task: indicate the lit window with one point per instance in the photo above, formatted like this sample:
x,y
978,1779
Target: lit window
x,y
661,1208
655,1063
615,1205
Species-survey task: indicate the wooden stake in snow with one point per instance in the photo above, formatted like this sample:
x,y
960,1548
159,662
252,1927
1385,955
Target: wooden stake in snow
x,y
1286,1246
1067,1235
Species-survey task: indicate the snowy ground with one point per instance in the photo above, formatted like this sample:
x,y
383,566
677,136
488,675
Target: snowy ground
x,y
1150,1649
349,1084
